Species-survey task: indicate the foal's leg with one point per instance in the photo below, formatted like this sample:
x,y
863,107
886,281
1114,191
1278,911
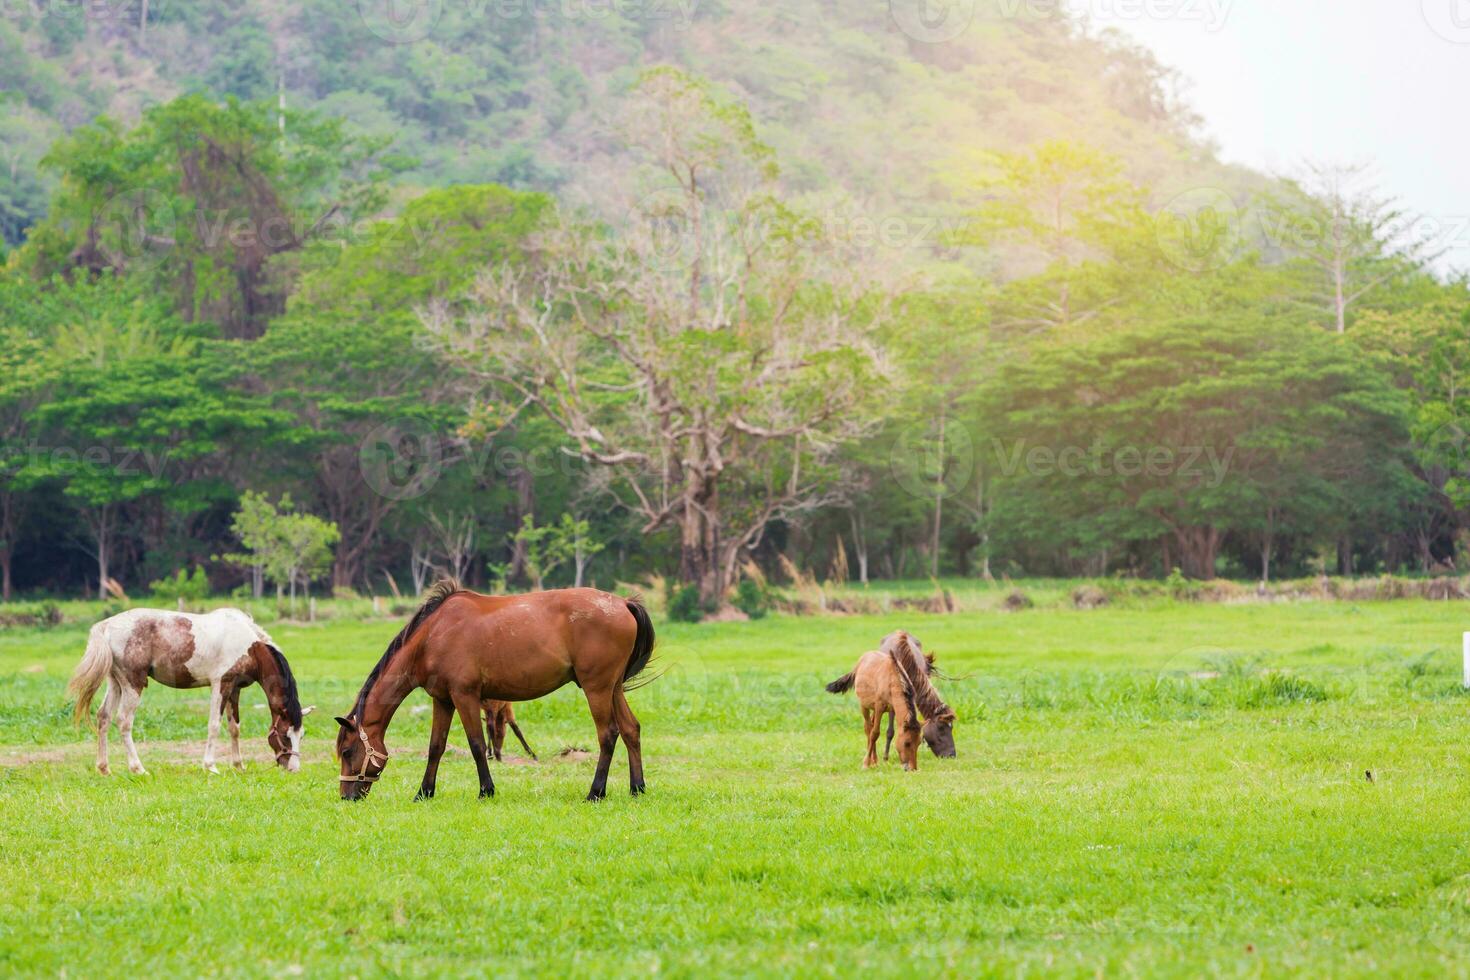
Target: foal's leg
x,y
216,705
908,739
104,719
469,717
497,734
438,738
127,706
600,703
872,725
232,712
888,744
524,744
628,730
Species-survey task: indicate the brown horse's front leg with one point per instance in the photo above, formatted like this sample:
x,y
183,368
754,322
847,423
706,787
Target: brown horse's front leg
x,y
600,703
469,717
438,738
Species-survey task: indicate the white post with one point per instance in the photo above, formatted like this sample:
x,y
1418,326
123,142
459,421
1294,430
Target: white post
x,y
1465,643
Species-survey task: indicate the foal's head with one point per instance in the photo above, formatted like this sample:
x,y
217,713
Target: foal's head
x,y
362,761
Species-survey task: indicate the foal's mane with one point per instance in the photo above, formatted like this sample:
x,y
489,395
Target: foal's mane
x,y
433,599
914,669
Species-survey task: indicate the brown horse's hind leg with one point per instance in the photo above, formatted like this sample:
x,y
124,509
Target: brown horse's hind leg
x,y
438,738
628,730
600,703
469,717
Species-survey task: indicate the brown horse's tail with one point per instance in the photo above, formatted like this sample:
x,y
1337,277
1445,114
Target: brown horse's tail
x,y
842,684
642,647
90,673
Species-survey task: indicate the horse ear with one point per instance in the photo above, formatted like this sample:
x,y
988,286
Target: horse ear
x,y
346,723
929,659
307,710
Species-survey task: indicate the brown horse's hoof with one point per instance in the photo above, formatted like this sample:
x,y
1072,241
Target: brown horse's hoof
x,y
104,769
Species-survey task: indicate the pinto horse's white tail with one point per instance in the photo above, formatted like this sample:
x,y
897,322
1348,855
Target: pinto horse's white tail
x,y
91,672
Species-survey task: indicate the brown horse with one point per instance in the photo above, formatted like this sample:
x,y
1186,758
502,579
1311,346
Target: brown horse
x,y
462,648
498,714
894,680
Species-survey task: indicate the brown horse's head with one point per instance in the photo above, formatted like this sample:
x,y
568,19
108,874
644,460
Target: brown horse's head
x,y
362,761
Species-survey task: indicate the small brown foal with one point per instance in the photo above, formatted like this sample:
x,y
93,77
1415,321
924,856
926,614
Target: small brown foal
x,y
498,714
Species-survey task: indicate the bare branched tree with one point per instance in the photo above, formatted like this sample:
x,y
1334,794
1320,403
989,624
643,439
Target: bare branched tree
x,y
712,350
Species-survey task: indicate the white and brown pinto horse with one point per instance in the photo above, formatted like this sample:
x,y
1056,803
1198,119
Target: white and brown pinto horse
x,y
223,650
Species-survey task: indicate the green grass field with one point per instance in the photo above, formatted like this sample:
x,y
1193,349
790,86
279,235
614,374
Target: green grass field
x,y
1162,790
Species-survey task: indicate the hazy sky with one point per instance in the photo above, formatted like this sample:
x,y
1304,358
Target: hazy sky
x,y
1383,81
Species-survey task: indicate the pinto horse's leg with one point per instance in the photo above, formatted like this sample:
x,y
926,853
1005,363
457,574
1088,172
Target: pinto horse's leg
x,y
628,731
104,719
127,706
216,707
438,738
600,703
469,717
232,712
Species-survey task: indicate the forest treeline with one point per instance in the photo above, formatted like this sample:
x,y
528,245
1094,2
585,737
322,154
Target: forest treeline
x,y
232,314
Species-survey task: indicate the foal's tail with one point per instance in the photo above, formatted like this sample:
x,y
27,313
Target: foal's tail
x,y
842,684
642,648
90,673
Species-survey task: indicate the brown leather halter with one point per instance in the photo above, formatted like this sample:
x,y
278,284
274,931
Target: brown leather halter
x,y
369,755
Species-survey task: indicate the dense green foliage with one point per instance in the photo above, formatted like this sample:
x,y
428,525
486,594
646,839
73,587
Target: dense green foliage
x,y
1184,792
846,300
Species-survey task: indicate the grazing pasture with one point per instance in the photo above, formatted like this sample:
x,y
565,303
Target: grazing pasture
x,y
1169,788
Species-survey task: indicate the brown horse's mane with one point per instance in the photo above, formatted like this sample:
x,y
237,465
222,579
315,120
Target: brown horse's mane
x,y
433,599
917,688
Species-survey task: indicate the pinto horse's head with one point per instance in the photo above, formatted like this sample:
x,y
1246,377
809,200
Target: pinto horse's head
x,y
362,762
287,715
284,739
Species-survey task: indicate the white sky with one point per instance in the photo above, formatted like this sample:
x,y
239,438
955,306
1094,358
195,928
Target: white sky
x,y
1379,81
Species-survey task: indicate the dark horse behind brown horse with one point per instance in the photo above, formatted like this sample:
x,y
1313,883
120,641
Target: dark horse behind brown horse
x,y
462,648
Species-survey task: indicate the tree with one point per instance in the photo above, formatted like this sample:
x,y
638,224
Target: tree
x,y
1183,431
1350,240
207,197
281,546
377,413
1054,213
1427,351
713,355
550,546
136,413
